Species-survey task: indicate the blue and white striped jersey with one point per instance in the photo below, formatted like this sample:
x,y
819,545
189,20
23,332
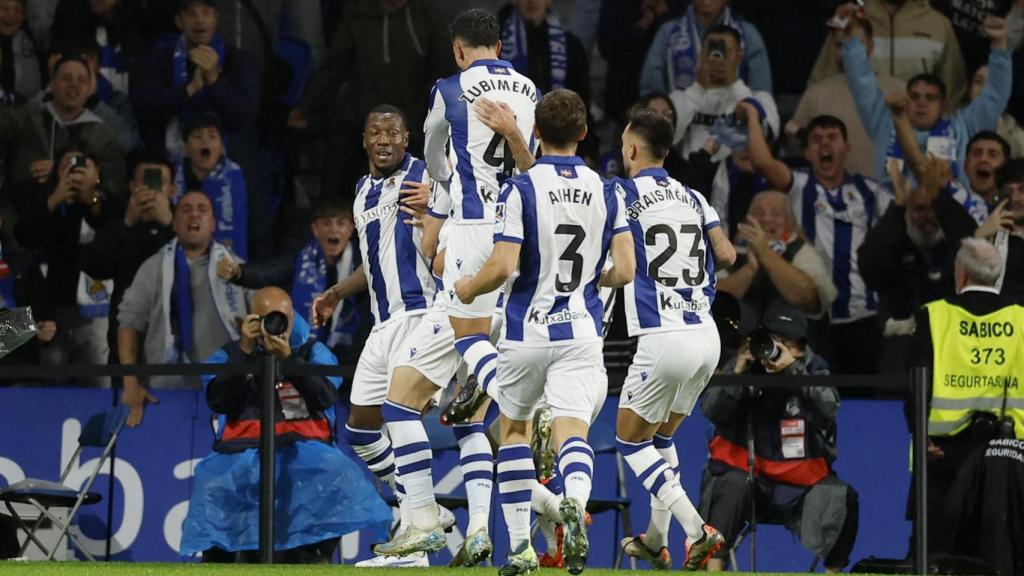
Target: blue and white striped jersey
x,y
398,275
480,159
564,216
675,265
836,222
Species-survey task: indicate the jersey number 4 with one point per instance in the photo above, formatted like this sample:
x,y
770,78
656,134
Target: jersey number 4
x,y
654,268
506,162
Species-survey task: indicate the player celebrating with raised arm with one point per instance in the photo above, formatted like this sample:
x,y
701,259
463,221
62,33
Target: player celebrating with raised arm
x,y
480,160
668,306
556,223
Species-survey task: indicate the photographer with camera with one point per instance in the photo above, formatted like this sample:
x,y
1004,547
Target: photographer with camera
x,y
178,304
224,508
793,434
56,220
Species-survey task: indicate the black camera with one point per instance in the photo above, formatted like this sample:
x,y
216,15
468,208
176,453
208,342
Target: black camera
x,y
275,323
76,161
716,49
764,347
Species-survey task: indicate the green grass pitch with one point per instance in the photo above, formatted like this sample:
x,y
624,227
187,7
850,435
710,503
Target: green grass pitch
x,y
142,569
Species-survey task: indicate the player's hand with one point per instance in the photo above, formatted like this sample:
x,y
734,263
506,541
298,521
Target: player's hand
x,y
228,269
461,287
937,175
1001,218
252,329
414,194
323,308
995,30
497,116
135,397
46,330
898,102
41,170
276,345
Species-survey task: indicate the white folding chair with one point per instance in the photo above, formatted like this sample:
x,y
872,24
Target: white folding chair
x,y
100,431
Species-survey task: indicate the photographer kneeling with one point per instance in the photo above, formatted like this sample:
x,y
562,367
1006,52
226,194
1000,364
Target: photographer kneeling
x,y
320,493
794,446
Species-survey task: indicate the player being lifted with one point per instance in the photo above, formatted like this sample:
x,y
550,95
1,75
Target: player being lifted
x,y
480,160
668,306
556,223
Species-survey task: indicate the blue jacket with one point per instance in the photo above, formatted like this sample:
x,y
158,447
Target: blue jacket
x,y
981,114
654,76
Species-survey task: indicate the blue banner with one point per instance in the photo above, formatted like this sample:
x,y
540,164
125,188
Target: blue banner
x,y
154,464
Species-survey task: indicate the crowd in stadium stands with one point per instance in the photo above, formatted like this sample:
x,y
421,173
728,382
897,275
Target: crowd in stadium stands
x,y
112,111
160,162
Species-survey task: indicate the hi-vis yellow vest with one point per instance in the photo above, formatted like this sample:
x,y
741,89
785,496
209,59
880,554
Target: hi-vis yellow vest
x,y
974,358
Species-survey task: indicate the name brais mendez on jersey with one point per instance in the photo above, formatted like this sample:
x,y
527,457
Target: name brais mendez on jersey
x,y
655,196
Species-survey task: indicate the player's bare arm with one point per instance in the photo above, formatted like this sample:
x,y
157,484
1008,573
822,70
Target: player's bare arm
x,y
725,252
624,262
324,304
502,263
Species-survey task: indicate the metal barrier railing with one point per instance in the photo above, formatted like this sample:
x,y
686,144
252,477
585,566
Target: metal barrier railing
x,y
265,367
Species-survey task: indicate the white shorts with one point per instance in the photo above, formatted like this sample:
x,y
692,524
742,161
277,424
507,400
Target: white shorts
x,y
669,371
570,378
384,349
469,246
430,349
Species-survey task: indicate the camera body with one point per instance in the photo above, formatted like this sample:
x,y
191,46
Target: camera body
x,y
76,161
153,178
716,49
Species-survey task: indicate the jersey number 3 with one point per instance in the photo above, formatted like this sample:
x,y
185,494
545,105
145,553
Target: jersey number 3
x,y
572,256
654,268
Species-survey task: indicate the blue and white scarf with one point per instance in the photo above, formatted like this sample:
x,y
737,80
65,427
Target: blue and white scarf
x,y
310,280
226,188
513,46
941,143
176,294
684,44
113,74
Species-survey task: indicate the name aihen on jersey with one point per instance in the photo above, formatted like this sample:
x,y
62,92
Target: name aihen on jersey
x,y
460,148
675,280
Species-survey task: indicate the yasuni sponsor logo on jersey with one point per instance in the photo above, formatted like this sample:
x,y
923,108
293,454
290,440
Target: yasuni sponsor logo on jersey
x,y
375,213
658,195
498,85
542,318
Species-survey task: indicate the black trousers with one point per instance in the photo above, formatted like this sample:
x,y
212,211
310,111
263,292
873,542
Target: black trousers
x,y
729,512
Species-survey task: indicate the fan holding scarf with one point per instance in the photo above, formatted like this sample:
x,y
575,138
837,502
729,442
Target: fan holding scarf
x,y
177,301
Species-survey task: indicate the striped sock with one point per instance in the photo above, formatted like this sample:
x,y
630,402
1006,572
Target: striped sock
x,y
660,480
403,507
576,466
481,357
477,463
516,477
373,448
661,516
412,458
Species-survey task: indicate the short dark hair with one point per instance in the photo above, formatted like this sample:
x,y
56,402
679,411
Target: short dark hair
x,y
388,109
654,129
329,207
1011,171
645,102
75,145
149,157
725,29
476,27
561,117
822,121
990,136
931,80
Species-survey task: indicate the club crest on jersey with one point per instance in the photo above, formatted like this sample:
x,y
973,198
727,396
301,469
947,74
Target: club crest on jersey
x,y
390,182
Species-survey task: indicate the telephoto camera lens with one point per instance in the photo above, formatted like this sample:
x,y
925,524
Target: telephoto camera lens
x,y
763,346
275,323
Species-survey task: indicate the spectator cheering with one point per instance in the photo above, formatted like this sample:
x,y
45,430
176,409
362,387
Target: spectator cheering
x,y
835,210
677,49
1005,227
206,167
197,73
177,306
223,513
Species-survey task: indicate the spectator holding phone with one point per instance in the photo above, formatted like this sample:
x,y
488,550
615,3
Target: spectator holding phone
x,y
57,219
122,244
1005,227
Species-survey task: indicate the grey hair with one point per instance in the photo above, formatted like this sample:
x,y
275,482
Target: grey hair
x,y
980,261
